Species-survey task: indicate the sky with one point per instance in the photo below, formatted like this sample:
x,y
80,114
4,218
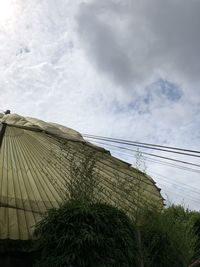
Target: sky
x,y
119,68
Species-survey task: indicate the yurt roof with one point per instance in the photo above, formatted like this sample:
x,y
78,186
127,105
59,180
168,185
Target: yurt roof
x,y
35,160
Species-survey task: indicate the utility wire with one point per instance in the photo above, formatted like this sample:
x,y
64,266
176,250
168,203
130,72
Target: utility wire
x,y
184,188
173,165
161,162
146,145
167,188
181,185
154,155
186,192
175,193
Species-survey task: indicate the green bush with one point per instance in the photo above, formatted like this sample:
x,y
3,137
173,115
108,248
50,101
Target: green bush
x,y
86,235
168,238
191,220
196,225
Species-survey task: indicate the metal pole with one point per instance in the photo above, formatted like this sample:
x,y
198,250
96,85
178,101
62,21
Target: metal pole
x,y
2,132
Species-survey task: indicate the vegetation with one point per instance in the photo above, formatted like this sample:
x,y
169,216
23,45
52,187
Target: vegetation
x,y
84,235
85,182
196,223
87,232
168,238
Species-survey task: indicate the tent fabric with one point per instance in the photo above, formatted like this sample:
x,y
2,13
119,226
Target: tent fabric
x,y
51,128
35,174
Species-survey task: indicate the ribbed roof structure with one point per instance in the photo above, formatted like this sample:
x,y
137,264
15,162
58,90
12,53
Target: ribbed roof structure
x,y
35,162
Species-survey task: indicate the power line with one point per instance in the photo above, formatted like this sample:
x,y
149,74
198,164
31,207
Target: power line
x,y
183,185
180,185
145,153
106,168
152,160
172,165
146,145
175,193
185,168
172,159
155,155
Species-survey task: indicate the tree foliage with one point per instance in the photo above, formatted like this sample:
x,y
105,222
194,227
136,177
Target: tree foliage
x,y
168,238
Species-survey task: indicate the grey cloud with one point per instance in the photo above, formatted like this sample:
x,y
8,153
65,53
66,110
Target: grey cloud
x,y
176,24
102,43
133,41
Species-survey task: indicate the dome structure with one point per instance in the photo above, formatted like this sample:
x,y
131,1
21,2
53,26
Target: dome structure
x,y
35,164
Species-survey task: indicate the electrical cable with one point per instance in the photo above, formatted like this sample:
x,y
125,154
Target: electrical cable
x,y
155,155
170,181
173,181
175,193
165,163
146,145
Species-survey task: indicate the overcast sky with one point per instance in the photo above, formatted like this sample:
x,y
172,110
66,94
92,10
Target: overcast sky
x,y
120,68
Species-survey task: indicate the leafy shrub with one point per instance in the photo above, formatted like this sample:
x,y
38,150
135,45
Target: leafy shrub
x,y
86,235
191,220
168,238
196,225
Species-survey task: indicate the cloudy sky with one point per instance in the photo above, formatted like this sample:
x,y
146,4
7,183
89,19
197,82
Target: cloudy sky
x,y
119,68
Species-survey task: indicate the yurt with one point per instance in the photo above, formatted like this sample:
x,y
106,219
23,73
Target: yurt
x,y
36,160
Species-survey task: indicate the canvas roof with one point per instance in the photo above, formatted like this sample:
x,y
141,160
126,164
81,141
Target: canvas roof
x,y
35,172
